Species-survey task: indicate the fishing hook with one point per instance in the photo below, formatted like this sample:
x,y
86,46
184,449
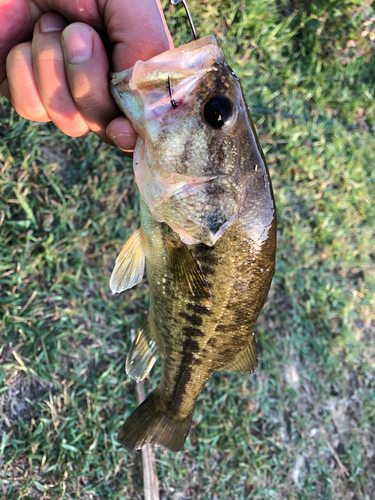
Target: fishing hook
x,y
173,102
176,2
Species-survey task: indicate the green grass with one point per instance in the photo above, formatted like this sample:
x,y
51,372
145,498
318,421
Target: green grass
x,y
66,208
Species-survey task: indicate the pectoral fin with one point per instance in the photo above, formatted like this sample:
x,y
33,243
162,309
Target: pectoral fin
x,y
130,264
246,361
143,352
187,276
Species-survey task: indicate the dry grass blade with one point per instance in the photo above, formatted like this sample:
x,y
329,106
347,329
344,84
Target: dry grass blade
x,y
343,469
150,478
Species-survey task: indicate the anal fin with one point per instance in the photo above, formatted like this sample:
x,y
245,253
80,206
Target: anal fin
x,y
246,361
143,352
187,275
130,264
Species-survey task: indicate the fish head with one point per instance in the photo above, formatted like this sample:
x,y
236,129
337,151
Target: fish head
x,y
197,144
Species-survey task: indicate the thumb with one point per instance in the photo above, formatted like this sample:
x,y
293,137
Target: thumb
x,y
137,30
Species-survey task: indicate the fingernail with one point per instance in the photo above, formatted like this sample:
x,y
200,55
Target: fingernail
x,y
50,22
126,142
78,44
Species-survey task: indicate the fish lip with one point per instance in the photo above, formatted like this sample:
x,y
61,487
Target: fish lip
x,y
117,77
183,49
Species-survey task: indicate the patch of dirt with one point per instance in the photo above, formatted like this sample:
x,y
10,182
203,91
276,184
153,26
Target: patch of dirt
x,y
13,405
54,154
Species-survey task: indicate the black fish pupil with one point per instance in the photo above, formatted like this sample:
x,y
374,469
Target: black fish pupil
x,y
217,111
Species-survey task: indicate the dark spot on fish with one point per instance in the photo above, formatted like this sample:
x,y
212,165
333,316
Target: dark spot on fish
x,y
206,270
182,379
215,221
207,261
183,375
198,309
159,141
216,150
238,337
224,328
205,255
212,341
223,155
191,331
193,319
214,189
227,355
187,155
190,346
198,362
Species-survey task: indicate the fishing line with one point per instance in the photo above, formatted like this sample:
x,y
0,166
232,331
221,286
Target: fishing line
x,y
292,116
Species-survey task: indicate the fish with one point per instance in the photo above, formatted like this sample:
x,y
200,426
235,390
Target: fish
x,y
207,238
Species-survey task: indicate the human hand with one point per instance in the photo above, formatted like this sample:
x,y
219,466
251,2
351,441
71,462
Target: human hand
x,y
54,66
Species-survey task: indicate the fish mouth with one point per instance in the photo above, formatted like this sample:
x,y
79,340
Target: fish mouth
x,y
177,62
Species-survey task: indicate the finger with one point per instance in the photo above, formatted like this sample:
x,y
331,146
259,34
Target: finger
x,y
16,27
87,67
18,18
138,30
49,71
122,134
23,90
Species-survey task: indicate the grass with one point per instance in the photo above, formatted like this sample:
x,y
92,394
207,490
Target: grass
x,y
303,426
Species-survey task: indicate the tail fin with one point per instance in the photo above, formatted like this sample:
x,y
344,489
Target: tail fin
x,y
150,425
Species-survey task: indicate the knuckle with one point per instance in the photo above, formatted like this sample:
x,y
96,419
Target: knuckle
x,y
35,114
19,55
76,128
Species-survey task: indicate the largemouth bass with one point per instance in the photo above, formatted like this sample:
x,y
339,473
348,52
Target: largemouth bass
x,y
207,235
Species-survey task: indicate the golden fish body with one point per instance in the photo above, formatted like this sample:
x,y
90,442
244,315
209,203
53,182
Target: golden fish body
x,y
207,236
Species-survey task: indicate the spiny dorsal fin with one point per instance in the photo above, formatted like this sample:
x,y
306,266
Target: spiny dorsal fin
x,y
143,352
187,276
130,264
246,361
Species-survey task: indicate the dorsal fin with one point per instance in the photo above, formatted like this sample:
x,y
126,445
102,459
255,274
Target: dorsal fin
x,y
187,275
143,352
246,361
130,264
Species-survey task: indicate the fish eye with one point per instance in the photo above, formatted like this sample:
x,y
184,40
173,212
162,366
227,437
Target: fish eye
x,y
217,111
